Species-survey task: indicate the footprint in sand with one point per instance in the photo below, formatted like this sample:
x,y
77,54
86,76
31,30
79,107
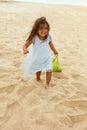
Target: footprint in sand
x,y
80,85
9,110
77,84
76,76
24,90
8,89
60,76
16,64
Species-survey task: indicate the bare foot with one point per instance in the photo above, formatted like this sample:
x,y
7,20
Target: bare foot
x,y
38,80
47,87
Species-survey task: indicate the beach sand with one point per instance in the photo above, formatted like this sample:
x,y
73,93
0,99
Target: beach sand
x,y
27,105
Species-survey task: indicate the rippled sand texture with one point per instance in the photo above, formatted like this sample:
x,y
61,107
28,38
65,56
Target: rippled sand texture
x,y
27,105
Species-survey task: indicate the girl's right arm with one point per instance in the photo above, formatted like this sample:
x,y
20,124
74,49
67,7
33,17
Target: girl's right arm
x,y
26,45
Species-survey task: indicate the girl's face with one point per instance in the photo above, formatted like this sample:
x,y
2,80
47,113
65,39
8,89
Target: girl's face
x,y
43,31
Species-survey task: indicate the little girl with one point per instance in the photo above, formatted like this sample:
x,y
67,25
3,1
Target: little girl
x,y
39,56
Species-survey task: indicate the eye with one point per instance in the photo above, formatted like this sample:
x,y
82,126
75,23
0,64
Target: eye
x,y
46,28
43,28
40,28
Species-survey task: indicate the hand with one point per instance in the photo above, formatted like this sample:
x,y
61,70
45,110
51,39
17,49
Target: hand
x,y
25,51
56,52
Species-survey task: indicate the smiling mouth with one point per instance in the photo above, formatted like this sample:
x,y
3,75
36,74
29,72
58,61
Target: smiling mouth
x,y
43,33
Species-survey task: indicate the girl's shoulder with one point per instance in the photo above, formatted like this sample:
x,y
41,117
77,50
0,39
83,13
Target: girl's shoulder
x,y
49,37
34,39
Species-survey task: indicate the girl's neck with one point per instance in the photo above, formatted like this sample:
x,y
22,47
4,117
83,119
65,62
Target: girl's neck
x,y
42,38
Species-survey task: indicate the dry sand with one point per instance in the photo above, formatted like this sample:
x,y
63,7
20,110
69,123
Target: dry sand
x,y
27,105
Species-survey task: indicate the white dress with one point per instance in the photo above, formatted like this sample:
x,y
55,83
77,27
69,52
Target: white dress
x,y
39,57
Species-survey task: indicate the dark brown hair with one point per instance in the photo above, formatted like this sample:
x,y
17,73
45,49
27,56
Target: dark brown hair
x,y
35,28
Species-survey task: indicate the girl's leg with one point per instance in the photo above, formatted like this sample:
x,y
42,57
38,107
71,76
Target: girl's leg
x,y
38,74
48,78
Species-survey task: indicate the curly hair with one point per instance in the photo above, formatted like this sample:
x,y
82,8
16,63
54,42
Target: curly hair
x,y
40,21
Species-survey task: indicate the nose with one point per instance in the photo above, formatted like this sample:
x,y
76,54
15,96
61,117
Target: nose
x,y
43,30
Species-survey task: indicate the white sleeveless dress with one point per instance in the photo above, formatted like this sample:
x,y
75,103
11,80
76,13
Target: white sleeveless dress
x,y
39,57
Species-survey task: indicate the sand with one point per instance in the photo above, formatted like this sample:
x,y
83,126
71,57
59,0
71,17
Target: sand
x,y
27,105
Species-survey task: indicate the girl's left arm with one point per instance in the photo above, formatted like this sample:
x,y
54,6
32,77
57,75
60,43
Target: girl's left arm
x,y
53,48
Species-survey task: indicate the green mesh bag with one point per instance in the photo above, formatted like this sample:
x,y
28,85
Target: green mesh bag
x,y
56,66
